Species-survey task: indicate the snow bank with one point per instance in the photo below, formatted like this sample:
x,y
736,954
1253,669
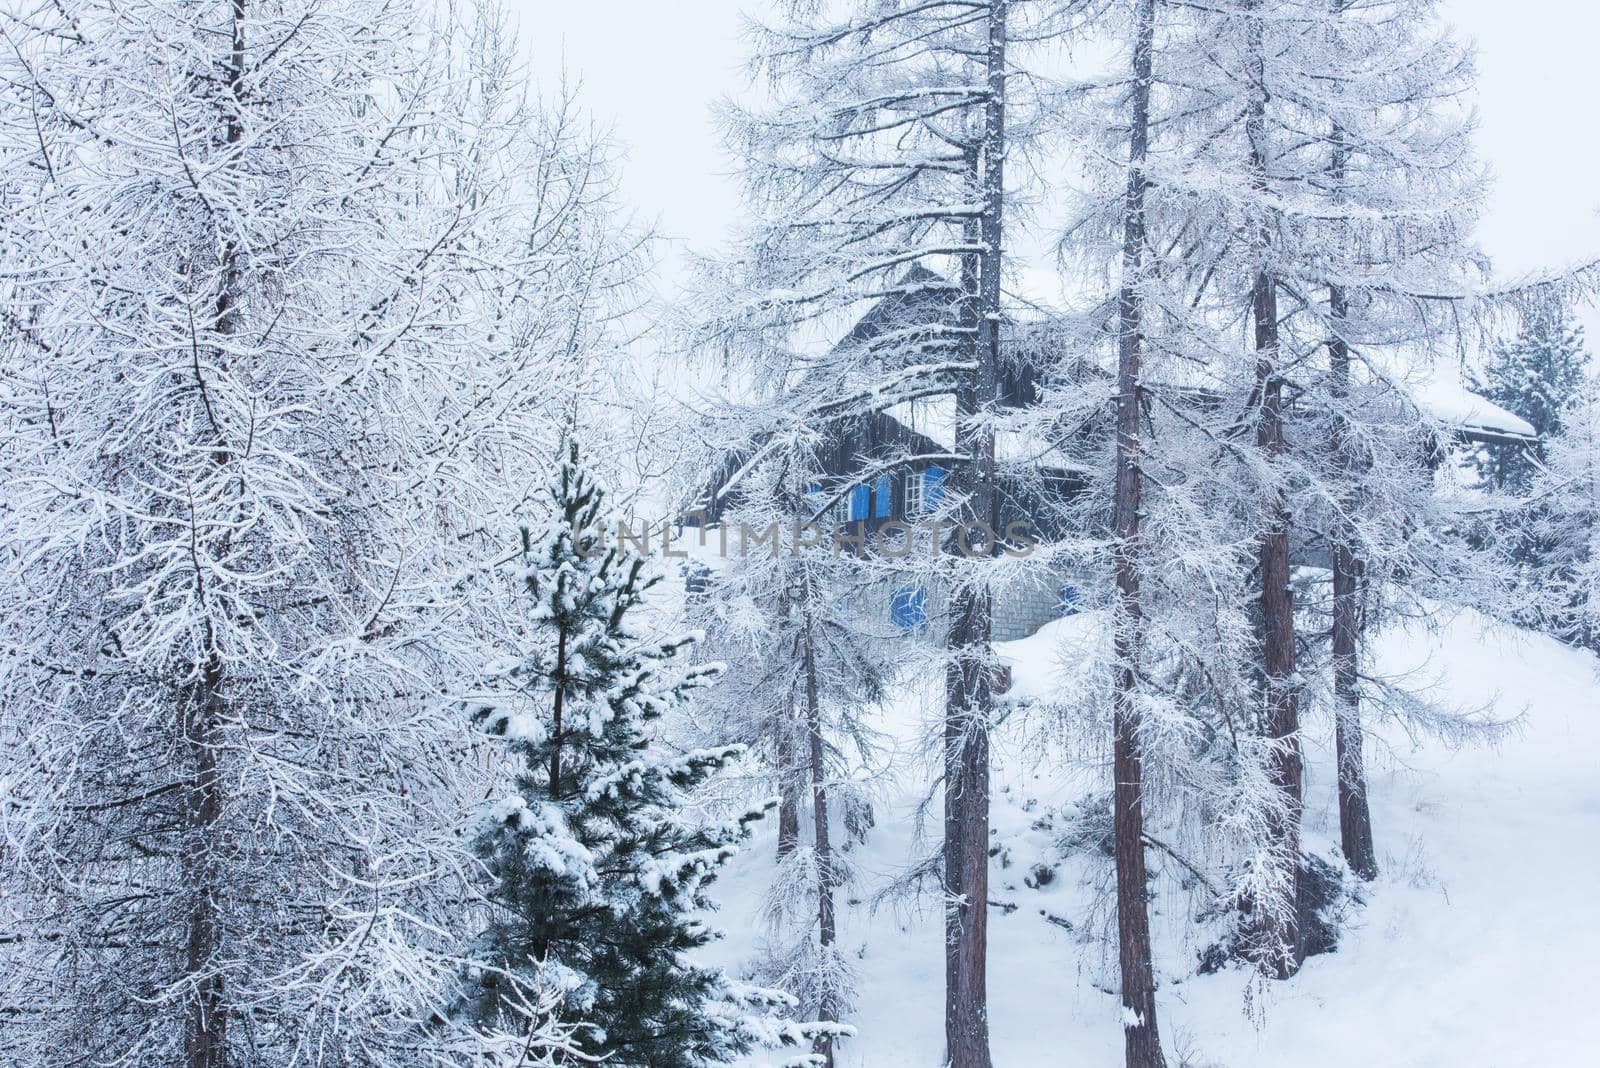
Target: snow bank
x,y
1475,950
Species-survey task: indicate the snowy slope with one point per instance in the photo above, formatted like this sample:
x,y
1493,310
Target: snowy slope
x,y
1475,950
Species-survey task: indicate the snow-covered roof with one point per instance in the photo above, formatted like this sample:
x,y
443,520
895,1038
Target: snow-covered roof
x,y
926,297
1454,405
1439,398
935,418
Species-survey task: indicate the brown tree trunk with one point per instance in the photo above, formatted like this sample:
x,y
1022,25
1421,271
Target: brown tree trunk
x,y
1355,818
1278,652
1141,1036
828,1009
969,685
788,789
966,846
789,771
1279,925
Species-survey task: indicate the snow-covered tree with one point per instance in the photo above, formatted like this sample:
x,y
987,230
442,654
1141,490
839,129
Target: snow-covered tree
x,y
1296,234
879,170
1141,1031
598,877
1565,500
805,672
290,296
1535,375
1539,374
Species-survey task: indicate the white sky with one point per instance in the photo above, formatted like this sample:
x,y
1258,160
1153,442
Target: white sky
x,y
651,68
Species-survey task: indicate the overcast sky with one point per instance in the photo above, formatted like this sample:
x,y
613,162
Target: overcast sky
x,y
650,70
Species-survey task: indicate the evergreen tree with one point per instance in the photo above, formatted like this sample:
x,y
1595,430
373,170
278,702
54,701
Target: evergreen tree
x,y
1140,1030
1566,506
597,873
1535,376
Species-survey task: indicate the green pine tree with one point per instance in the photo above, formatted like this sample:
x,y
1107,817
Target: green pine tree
x,y
1536,375
597,873
1565,515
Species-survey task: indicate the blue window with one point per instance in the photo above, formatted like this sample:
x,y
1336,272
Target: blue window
x,y
880,498
1071,601
908,609
860,503
932,488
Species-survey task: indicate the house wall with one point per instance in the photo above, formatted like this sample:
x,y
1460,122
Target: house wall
x,y
1019,609
1026,606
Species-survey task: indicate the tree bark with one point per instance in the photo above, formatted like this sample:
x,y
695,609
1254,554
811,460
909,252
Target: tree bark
x,y
1355,818
1141,1036
205,1041
558,710
1281,925
789,771
788,791
1279,922
828,1008
969,686
202,711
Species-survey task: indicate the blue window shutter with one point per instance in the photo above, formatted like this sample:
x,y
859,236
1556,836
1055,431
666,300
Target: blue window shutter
x,y
860,502
932,488
880,498
1070,600
908,608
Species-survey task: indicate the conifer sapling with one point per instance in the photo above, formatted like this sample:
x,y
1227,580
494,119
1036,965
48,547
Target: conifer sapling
x,y
598,875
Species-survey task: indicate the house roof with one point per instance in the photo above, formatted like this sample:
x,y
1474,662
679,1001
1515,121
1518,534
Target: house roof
x,y
921,297
935,418
926,297
1473,417
925,300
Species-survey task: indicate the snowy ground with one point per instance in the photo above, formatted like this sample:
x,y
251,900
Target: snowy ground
x,y
1476,948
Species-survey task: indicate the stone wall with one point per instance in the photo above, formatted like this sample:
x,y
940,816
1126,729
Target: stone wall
x,y
1019,610
1028,605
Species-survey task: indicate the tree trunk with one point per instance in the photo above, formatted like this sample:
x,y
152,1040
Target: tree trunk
x,y
789,771
202,711
1279,922
1141,1036
557,711
788,791
1355,818
205,1042
966,840
1278,652
828,1008
969,686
